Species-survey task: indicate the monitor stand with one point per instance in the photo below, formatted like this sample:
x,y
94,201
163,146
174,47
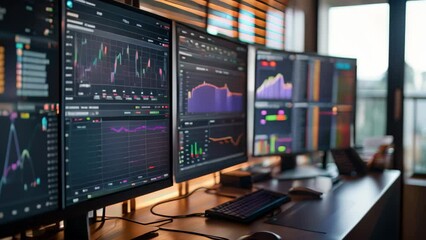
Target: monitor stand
x,y
290,170
77,227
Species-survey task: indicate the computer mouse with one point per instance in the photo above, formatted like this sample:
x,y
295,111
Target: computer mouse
x,y
300,190
263,235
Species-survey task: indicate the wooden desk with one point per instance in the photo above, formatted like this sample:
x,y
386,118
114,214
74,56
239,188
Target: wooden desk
x,y
357,208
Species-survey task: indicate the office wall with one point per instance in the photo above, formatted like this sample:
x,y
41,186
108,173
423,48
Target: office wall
x,y
414,209
301,25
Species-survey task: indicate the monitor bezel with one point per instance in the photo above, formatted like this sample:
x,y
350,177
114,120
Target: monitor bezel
x,y
309,54
212,168
54,215
133,192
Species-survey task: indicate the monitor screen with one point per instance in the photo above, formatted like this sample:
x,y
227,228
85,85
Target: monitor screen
x,y
116,101
29,110
211,118
303,102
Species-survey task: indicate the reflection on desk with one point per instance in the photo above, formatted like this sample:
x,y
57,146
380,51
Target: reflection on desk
x,y
305,191
359,208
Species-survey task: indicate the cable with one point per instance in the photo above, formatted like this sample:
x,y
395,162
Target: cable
x,y
167,221
194,233
164,221
162,215
175,199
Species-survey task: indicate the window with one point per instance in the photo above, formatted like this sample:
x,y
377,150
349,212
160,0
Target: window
x,y
415,87
361,31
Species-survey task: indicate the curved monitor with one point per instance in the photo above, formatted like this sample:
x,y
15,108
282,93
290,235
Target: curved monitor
x,y
29,114
303,102
116,103
211,116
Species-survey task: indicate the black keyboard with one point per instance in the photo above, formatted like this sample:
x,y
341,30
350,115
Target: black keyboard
x,y
248,207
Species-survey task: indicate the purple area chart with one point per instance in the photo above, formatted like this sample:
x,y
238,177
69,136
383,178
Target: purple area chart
x,y
275,87
207,97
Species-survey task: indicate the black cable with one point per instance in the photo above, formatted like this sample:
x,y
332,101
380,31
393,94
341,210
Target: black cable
x,y
194,233
167,221
164,221
175,199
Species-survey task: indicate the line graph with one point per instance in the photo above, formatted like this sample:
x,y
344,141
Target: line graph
x,y
111,154
228,140
137,129
207,97
18,165
21,156
28,160
206,144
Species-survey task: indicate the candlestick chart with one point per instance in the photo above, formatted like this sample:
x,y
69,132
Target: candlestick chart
x,y
104,65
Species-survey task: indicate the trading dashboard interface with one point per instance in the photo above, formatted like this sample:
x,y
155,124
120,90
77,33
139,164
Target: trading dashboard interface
x,y
212,82
116,99
29,96
302,102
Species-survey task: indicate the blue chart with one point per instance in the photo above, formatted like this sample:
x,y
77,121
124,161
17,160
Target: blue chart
x,y
101,64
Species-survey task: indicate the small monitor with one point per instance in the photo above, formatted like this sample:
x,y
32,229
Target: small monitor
x,y
29,113
344,122
211,115
303,102
116,103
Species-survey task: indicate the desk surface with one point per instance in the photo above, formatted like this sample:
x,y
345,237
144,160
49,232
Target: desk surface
x,y
351,201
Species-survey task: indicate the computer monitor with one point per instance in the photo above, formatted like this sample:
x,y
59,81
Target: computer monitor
x,y
303,103
29,114
116,104
211,115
